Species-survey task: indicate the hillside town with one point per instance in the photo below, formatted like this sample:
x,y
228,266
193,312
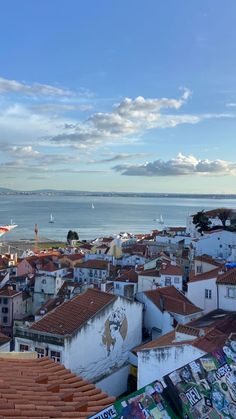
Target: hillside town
x,y
92,322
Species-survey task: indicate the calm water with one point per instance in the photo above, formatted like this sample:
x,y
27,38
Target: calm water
x,y
110,215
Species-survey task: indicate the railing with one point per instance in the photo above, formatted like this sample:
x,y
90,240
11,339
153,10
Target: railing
x,y
39,337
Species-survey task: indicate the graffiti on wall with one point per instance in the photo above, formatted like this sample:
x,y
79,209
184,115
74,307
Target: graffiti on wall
x,y
115,331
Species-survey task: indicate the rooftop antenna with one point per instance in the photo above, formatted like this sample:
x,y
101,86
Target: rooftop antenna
x,y
36,238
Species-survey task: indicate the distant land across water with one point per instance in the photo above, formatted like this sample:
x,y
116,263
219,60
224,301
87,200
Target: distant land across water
x,y
94,214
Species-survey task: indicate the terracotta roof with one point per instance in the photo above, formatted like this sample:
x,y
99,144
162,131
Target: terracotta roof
x,y
170,269
8,292
150,272
228,277
94,264
75,256
187,330
215,212
208,259
43,389
166,340
127,276
49,267
206,275
172,300
4,338
71,315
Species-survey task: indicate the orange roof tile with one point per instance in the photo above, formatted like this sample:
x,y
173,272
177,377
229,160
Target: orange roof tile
x,y
38,388
172,300
228,277
71,315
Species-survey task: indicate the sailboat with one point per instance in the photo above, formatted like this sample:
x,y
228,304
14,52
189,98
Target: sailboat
x,y
159,220
51,219
92,206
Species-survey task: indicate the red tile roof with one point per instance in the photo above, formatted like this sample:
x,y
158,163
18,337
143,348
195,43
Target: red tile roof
x,y
94,264
127,276
206,275
49,267
169,339
4,338
150,272
172,300
228,278
72,315
208,259
169,269
43,389
8,292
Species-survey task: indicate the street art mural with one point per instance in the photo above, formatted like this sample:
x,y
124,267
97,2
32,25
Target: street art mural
x,y
202,389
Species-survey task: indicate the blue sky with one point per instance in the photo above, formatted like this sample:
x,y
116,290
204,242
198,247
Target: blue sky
x,y
124,95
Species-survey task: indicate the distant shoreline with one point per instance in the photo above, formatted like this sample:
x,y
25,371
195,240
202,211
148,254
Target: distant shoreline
x,y
116,194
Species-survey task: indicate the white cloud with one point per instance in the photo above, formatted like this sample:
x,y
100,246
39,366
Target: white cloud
x,y
179,166
14,86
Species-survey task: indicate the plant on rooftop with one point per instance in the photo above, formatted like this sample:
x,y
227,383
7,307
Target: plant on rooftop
x,y
224,214
202,221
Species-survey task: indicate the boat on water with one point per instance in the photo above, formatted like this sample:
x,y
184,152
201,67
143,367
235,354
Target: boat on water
x,y
6,228
51,219
159,220
92,206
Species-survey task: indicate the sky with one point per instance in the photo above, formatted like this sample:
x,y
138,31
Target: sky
x,y
118,95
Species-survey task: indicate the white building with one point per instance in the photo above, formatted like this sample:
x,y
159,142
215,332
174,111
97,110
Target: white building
x,y
226,284
183,345
202,290
166,307
92,271
90,334
216,243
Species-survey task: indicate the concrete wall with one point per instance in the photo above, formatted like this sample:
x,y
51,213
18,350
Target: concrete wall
x,y
153,317
226,303
115,384
155,363
196,294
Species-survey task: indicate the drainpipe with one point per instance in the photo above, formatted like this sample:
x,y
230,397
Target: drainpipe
x,y
217,295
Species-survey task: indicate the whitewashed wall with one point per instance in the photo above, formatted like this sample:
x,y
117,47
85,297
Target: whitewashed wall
x,y
155,363
115,384
196,294
226,303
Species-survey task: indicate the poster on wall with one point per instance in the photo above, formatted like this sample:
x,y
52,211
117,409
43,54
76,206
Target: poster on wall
x,y
147,403
206,387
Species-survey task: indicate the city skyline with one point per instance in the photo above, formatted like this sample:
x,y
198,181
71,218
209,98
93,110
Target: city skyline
x,y
118,96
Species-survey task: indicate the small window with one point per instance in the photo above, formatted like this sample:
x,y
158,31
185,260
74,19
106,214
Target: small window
x,y
117,286
44,281
176,280
199,269
231,292
40,352
56,356
5,310
5,319
5,300
24,348
167,281
208,294
0,301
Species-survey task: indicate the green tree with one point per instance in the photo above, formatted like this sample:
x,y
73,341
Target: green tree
x,y
72,235
202,221
224,214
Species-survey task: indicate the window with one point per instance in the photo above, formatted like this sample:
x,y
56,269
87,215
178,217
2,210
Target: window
x,y
24,348
5,319
5,310
231,292
43,281
176,280
40,352
199,269
117,286
56,356
5,300
0,301
167,281
208,294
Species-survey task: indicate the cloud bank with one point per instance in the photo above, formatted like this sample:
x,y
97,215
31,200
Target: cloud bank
x,y
179,166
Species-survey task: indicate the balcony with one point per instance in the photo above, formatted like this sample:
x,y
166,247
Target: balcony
x,y
26,333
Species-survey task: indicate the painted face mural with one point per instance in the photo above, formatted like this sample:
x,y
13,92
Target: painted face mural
x,y
115,330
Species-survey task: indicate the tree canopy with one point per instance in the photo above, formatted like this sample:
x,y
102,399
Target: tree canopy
x,y
202,221
72,235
